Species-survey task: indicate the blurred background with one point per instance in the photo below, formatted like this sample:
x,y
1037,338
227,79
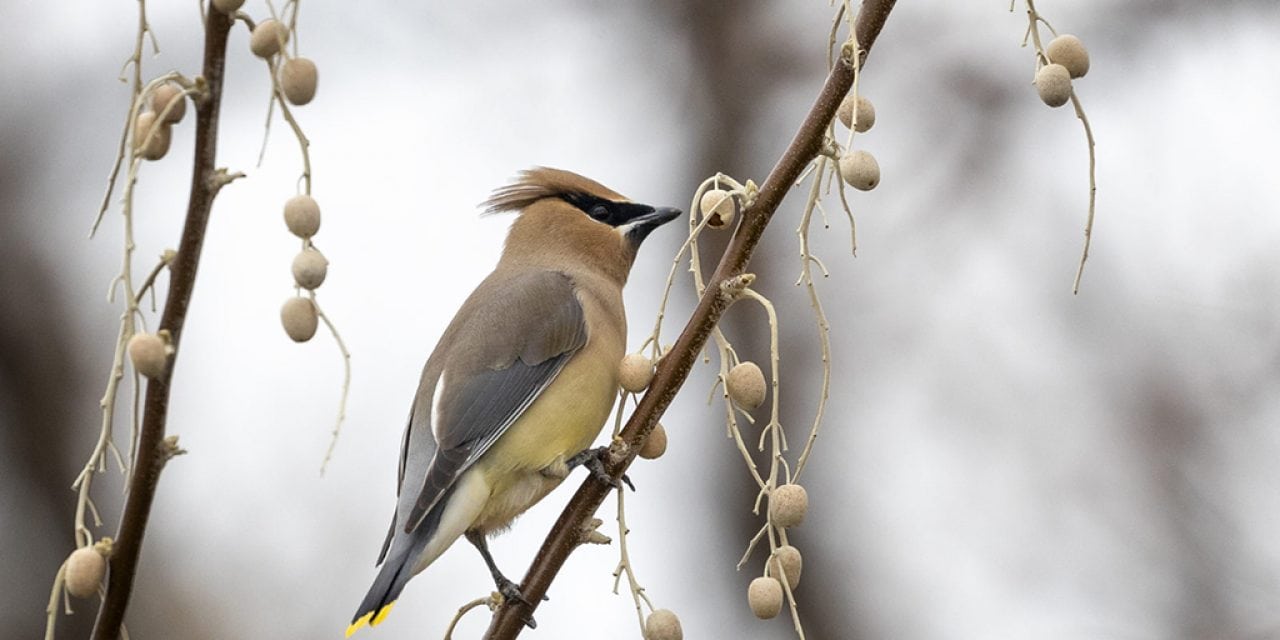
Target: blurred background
x,y
1001,459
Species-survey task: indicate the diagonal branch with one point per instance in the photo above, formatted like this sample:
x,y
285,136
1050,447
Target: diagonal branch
x,y
154,449
674,368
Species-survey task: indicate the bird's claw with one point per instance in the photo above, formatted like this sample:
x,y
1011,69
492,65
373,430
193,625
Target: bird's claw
x,y
593,460
511,591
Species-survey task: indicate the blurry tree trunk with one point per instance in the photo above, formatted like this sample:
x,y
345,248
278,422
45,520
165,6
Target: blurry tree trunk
x,y
44,396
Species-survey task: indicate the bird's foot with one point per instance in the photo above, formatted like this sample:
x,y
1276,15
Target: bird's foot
x,y
511,591
506,588
593,460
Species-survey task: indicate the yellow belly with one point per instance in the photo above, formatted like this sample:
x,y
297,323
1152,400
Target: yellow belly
x,y
564,420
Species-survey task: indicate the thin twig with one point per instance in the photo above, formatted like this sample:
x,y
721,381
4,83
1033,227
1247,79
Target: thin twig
x,y
136,61
346,382
51,610
751,545
304,146
1034,19
777,444
691,245
624,564
1093,189
824,329
462,611
285,112
775,425
105,442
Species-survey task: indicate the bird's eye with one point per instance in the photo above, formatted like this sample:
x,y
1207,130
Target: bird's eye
x,y
599,212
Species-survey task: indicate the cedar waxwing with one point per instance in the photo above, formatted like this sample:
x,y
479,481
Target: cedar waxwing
x,y
522,380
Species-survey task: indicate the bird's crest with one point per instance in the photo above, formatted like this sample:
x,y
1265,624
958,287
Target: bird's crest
x,y
537,183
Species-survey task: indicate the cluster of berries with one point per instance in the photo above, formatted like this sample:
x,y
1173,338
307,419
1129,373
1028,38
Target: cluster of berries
x,y
1068,59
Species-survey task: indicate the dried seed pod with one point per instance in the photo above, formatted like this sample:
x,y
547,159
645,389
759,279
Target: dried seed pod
x,y
662,624
866,113
1068,51
745,384
149,354
85,569
228,6
787,505
149,146
169,93
302,216
860,169
1053,82
765,597
786,562
635,372
268,37
656,444
309,268
718,205
298,315
298,80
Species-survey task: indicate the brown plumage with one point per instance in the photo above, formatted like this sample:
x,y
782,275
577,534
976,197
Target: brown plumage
x,y
523,378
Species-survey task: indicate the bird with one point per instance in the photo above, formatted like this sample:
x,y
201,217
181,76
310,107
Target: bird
x,y
521,381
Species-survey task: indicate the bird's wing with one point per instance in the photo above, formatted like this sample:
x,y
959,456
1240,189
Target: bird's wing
x,y
505,346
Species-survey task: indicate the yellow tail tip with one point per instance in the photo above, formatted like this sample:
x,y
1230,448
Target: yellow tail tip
x,y
382,614
355,626
370,619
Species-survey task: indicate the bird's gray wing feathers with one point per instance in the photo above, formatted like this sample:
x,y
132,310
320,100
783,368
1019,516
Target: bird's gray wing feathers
x,y
506,345
404,459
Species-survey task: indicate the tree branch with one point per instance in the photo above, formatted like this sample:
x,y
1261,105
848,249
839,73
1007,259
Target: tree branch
x,y
674,368
154,449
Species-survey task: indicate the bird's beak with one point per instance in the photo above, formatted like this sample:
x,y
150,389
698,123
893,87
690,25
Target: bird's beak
x,y
639,227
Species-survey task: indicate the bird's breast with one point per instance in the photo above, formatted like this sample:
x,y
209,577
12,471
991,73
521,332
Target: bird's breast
x,y
564,420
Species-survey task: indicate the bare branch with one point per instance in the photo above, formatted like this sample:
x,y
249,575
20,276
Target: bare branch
x,y
674,368
154,450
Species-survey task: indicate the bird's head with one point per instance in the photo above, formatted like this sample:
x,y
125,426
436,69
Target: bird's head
x,y
566,220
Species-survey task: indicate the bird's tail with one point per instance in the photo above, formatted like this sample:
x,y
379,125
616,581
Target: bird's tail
x,y
398,566
377,603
